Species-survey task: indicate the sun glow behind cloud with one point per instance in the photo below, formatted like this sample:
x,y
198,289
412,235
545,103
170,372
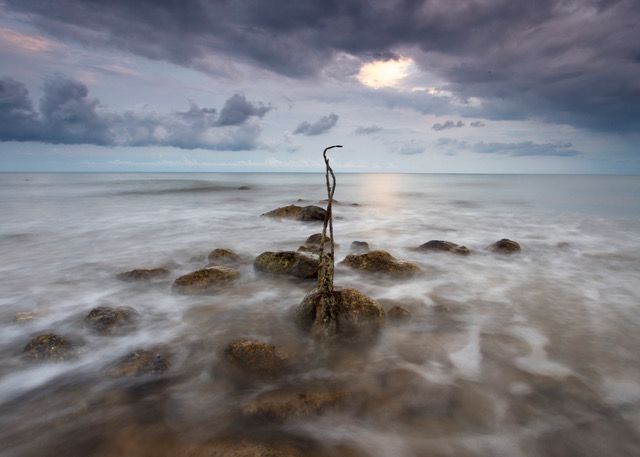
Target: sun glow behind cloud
x,y
22,41
381,73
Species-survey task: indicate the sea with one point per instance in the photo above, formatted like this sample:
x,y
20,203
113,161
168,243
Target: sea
x,y
532,354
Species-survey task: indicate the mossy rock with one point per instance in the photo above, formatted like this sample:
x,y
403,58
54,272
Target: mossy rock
x,y
49,346
139,363
294,402
107,321
207,280
356,315
143,274
505,246
381,262
254,359
287,263
299,213
444,246
222,257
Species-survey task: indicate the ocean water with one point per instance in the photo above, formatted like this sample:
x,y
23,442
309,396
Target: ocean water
x,y
532,354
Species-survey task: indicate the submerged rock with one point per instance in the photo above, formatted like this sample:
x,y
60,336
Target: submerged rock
x,y
505,246
254,359
359,247
381,262
244,188
398,314
24,316
292,402
221,257
299,213
287,263
49,346
356,315
143,274
140,362
106,320
313,244
444,246
207,280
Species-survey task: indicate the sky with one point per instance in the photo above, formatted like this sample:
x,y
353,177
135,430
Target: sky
x,y
428,86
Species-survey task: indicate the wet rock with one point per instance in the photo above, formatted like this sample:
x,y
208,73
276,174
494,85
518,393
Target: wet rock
x,y
244,188
254,359
381,262
313,244
359,247
299,213
505,246
49,346
291,402
140,362
357,316
244,447
287,263
207,280
398,314
24,316
563,244
143,274
221,257
444,246
107,321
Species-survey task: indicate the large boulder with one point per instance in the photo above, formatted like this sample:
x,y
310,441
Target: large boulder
x,y
287,263
254,359
143,274
356,316
381,262
292,402
505,246
444,246
49,346
223,257
298,213
207,280
140,362
107,321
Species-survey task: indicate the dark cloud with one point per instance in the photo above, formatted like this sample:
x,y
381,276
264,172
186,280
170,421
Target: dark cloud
x,y
368,130
447,125
237,110
477,124
564,61
68,115
322,125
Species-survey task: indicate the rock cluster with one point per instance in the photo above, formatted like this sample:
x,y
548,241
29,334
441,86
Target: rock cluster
x,y
299,213
444,246
290,263
381,262
207,280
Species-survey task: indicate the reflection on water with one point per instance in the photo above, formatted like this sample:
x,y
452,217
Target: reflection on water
x,y
526,355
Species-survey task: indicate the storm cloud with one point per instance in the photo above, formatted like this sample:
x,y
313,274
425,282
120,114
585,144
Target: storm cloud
x,y
67,114
322,125
562,61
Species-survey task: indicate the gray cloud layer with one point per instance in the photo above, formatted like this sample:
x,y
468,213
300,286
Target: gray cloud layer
x,y
519,149
447,125
68,115
368,130
322,125
564,61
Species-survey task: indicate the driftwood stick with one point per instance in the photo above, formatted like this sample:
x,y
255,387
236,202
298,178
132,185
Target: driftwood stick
x,y
325,277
